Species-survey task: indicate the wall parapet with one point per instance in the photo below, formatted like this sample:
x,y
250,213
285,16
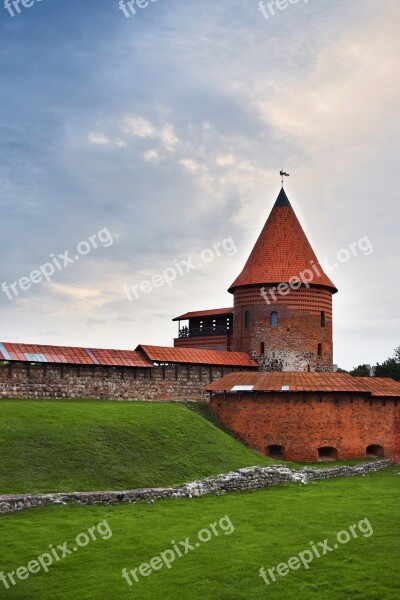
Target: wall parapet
x,y
160,382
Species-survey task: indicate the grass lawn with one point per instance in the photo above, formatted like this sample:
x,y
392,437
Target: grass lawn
x,y
270,527
48,446
85,445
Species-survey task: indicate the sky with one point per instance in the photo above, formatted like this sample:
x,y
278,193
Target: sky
x,y
133,148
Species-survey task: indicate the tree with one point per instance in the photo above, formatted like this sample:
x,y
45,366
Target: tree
x,y
339,370
361,371
390,368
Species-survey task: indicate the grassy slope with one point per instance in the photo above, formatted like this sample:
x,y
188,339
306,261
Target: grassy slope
x,y
270,527
87,445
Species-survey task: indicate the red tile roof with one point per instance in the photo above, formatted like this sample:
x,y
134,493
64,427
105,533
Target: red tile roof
x,y
281,252
72,355
161,354
381,386
205,313
297,382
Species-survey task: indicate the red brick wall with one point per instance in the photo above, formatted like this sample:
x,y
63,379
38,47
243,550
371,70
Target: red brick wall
x,y
293,345
302,423
311,300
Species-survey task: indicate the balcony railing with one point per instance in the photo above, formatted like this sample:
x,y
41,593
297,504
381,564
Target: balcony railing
x,y
189,332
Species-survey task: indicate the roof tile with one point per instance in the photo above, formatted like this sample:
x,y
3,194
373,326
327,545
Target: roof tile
x,y
197,356
73,355
381,386
205,313
281,252
298,382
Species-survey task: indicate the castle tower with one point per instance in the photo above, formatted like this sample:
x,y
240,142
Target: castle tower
x,y
283,299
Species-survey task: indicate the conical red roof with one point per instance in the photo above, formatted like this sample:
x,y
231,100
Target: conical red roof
x,y
281,252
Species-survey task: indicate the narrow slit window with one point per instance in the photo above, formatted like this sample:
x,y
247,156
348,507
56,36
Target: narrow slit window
x,y
274,319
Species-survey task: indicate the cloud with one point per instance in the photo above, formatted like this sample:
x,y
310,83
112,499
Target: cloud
x,y
139,127
74,292
151,155
168,137
225,161
350,96
190,164
98,138
170,131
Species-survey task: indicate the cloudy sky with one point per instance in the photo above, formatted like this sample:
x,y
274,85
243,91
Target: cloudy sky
x,y
167,129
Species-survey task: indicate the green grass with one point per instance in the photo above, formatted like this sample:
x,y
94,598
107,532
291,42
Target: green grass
x,y
349,462
270,527
48,446
84,445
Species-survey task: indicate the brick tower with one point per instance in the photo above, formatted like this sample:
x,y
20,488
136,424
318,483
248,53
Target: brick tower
x,y
283,299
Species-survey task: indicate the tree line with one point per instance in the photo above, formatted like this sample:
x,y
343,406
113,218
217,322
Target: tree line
x,y
389,368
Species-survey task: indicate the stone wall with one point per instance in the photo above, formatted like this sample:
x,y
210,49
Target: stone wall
x,y
293,344
241,480
180,382
301,423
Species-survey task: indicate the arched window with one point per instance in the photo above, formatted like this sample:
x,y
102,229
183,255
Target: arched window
x,y
276,451
262,348
375,451
274,319
319,350
247,319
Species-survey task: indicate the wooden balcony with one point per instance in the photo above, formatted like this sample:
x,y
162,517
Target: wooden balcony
x,y
192,332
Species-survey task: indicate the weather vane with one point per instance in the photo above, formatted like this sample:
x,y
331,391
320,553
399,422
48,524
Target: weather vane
x,y
283,174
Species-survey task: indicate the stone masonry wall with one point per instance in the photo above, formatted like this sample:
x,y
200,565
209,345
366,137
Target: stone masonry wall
x,y
183,382
293,344
241,480
303,422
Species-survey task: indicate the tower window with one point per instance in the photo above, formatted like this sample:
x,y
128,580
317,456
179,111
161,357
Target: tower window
x,y
319,350
274,319
247,319
262,348
322,319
